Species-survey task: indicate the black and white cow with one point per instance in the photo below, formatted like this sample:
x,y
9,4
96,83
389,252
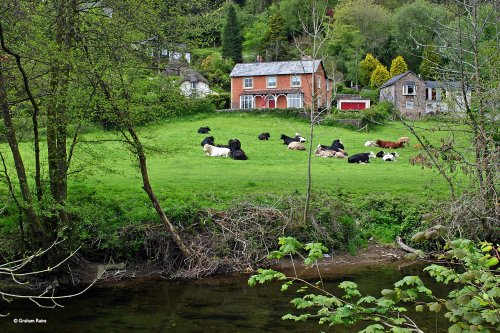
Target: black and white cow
x,y
390,157
264,136
335,146
287,140
380,154
204,130
361,158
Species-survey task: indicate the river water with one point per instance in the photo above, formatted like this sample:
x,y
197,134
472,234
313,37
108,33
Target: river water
x,y
218,305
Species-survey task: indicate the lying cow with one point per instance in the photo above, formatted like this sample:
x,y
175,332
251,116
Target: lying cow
x,y
404,139
264,136
294,145
287,140
208,140
236,152
370,144
390,157
335,146
389,144
320,152
204,130
361,158
299,138
216,151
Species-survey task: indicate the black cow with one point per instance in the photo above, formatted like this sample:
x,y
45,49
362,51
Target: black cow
x,y
287,140
361,158
208,140
264,136
380,154
335,146
236,152
204,130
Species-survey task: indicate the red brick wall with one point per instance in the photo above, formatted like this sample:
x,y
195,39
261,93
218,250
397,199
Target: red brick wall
x,y
283,82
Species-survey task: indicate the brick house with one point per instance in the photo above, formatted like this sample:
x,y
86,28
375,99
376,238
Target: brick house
x,y
407,92
280,84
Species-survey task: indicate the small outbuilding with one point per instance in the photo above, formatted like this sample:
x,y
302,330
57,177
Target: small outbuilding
x,y
349,102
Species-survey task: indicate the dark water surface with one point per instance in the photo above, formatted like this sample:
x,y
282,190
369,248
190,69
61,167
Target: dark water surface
x,y
218,305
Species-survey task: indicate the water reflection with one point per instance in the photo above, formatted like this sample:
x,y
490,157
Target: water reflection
x,y
217,305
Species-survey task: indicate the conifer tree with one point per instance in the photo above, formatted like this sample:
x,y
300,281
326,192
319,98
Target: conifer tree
x,y
398,66
379,76
231,37
367,66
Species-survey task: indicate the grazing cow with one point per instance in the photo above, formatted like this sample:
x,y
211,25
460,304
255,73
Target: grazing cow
x,y
361,158
380,154
404,139
299,138
370,144
389,144
216,151
287,140
320,152
208,140
204,130
390,157
294,145
264,136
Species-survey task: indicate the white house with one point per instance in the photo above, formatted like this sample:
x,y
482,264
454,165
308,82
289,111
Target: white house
x,y
193,84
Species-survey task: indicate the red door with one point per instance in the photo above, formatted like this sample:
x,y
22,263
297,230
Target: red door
x,y
353,106
272,103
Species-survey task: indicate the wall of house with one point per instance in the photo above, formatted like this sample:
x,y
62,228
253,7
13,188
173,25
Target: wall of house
x,y
282,82
202,89
395,94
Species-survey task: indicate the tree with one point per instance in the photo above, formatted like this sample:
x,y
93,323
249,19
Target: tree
x,y
379,76
398,66
275,38
415,24
367,66
231,37
431,62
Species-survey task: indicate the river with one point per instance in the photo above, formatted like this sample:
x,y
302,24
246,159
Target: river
x,y
211,305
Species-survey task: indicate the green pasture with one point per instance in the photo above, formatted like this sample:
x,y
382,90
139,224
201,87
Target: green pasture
x,y
103,170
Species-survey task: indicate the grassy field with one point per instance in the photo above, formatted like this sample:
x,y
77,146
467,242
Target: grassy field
x,y
181,173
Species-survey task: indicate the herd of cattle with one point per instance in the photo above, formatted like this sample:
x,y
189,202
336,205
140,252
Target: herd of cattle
x,y
336,149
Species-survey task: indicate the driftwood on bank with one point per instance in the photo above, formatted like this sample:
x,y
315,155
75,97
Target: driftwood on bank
x,y
406,248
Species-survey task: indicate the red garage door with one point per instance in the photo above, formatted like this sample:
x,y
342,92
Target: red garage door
x,y
353,106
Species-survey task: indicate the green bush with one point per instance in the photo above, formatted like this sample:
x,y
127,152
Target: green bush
x,y
221,101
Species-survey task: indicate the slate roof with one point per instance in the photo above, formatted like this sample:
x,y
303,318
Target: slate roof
x,y
393,80
451,85
275,68
192,76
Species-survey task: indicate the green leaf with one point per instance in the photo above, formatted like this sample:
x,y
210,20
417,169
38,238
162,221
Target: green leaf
x,y
492,262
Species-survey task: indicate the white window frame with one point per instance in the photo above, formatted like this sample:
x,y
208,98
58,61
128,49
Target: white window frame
x,y
275,82
319,82
247,102
327,85
295,78
245,83
410,105
297,100
405,90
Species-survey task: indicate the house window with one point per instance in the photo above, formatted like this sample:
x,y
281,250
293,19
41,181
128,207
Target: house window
x,y
194,85
319,102
271,82
319,82
295,81
294,100
246,102
409,105
409,89
248,83
327,85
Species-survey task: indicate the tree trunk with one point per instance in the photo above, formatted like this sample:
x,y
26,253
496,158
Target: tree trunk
x,y
36,228
149,190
